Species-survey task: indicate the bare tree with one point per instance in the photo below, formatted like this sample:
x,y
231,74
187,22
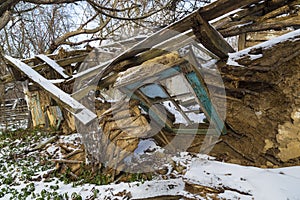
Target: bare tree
x,y
41,26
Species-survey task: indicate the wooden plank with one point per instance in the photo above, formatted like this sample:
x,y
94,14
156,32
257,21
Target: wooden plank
x,y
221,7
251,44
210,38
265,35
151,68
53,65
63,62
209,12
76,108
37,114
274,23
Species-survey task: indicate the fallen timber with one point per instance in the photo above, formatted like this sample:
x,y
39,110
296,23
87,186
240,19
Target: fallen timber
x,y
243,76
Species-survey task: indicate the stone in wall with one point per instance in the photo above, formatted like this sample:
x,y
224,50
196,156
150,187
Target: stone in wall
x,y
288,137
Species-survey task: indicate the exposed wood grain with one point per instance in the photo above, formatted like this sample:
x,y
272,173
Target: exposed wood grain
x,y
221,7
274,23
64,62
264,35
210,38
78,110
56,67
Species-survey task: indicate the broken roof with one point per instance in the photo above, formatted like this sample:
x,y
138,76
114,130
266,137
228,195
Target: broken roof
x,y
204,30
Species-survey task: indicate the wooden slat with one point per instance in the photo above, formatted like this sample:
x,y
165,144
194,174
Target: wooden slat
x,y
210,38
53,65
77,109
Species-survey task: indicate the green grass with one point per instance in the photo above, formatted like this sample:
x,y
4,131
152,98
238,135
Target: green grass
x,y
22,170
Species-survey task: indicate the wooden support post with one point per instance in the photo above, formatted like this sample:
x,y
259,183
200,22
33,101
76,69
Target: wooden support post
x,y
242,41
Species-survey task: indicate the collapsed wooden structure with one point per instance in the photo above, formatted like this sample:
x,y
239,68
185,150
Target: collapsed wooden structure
x,y
56,84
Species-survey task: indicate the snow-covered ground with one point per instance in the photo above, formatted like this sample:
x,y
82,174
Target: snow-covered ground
x,y
245,182
22,177
22,124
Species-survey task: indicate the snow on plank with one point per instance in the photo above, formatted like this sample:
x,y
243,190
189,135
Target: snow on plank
x,y
77,109
53,65
234,57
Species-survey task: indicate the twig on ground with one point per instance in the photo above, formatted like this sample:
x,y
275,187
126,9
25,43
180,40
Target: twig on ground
x,y
66,161
43,144
73,153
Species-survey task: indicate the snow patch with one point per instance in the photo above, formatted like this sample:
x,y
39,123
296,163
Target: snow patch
x,y
257,183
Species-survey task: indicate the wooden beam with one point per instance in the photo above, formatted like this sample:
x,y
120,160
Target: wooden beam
x,y
210,38
53,65
221,7
76,108
63,62
274,23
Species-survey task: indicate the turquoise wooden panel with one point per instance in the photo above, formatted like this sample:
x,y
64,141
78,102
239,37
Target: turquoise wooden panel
x,y
205,101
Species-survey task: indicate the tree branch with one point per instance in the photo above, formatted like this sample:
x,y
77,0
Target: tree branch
x,y
4,19
94,4
129,18
62,39
51,1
